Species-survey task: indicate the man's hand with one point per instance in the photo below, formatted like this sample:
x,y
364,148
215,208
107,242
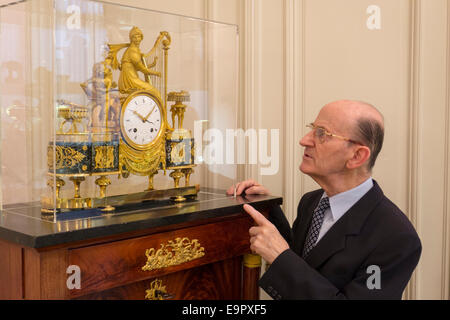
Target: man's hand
x,y
249,186
265,239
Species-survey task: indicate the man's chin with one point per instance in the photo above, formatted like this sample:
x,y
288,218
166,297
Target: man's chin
x,y
304,168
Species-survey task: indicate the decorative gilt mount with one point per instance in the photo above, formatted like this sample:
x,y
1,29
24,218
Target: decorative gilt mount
x,y
173,253
157,291
178,108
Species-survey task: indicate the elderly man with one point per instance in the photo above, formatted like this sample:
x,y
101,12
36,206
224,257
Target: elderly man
x,y
349,240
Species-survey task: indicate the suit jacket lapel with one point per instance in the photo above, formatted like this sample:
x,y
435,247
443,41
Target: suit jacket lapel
x,y
349,224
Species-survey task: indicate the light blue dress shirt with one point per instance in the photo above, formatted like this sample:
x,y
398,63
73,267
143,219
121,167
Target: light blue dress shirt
x,y
341,203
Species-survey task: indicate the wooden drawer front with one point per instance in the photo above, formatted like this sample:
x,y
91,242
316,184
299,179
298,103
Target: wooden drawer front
x,y
113,264
216,281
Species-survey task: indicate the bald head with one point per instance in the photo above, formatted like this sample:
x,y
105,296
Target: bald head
x,y
363,121
351,111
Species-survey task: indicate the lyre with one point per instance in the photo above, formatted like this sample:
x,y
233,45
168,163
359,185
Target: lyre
x,y
156,58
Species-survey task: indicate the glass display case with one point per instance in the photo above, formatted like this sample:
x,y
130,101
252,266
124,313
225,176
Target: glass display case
x,y
108,109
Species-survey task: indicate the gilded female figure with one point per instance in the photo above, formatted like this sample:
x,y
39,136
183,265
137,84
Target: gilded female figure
x,y
132,62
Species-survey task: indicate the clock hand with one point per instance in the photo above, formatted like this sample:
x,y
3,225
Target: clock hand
x,y
141,117
145,118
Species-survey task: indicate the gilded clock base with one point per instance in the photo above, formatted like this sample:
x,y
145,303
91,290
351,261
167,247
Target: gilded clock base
x,y
59,184
179,172
150,181
108,209
103,182
76,183
176,175
109,203
187,173
179,199
48,205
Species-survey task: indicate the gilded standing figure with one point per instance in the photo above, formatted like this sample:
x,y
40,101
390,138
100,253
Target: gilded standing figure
x,y
132,62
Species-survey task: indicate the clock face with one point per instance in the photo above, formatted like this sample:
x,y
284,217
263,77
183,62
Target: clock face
x,y
141,120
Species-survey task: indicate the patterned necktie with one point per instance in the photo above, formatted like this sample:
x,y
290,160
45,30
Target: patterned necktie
x,y
316,224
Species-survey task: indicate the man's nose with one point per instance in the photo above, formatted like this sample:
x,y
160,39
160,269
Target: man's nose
x,y
308,139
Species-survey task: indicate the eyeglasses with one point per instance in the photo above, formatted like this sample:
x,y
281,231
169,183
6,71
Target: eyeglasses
x,y
321,134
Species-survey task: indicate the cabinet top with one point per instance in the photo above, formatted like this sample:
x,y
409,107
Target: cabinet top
x,y
25,227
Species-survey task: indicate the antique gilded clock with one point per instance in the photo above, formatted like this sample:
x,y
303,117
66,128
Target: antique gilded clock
x,y
128,131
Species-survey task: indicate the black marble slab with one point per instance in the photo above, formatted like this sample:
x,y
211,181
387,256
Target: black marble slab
x,y
23,224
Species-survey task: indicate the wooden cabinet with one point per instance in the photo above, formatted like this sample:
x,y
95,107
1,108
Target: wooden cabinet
x,y
218,280
201,259
218,245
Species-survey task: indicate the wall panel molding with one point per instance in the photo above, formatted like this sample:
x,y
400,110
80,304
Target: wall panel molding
x,y
293,186
446,221
429,152
414,147
252,78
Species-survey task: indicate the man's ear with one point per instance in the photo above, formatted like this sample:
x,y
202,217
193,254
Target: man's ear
x,y
361,155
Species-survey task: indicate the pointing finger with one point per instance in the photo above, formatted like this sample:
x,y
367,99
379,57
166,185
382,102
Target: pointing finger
x,y
256,215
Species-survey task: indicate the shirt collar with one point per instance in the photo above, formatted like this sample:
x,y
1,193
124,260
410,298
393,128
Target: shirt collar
x,y
342,202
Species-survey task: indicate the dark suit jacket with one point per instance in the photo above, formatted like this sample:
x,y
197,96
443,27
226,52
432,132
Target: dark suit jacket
x,y
372,232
